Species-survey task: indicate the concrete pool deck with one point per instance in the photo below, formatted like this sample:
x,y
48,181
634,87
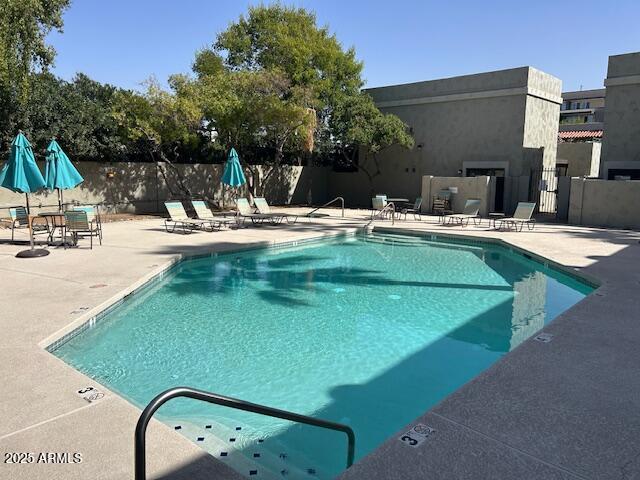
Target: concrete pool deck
x,y
563,409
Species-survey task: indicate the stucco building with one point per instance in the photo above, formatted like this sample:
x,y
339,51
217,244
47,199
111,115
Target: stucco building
x,y
621,143
503,124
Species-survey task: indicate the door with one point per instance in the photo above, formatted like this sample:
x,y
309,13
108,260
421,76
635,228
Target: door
x,y
498,173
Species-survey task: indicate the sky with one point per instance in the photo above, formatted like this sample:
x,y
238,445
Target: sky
x,y
400,41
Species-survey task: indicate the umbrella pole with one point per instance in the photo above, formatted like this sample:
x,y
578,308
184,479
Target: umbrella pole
x,y
60,199
32,252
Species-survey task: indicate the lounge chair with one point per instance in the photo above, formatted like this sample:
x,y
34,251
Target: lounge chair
x,y
18,218
77,224
179,218
203,212
264,208
470,212
415,210
522,215
245,211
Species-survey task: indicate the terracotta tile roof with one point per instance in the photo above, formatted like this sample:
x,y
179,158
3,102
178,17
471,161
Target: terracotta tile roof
x,y
580,134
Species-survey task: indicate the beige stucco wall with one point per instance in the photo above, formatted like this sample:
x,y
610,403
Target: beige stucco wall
x,y
604,203
506,119
582,158
621,142
141,187
468,188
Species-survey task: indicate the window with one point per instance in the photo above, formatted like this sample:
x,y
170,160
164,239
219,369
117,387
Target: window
x,y
587,105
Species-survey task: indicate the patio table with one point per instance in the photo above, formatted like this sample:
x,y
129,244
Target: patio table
x,y
55,220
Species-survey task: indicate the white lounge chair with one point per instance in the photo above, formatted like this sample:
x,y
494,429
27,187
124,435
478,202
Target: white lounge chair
x,y
264,208
179,218
203,212
245,211
522,215
471,211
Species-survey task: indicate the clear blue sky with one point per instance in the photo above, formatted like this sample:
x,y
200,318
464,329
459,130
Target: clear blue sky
x,y
124,42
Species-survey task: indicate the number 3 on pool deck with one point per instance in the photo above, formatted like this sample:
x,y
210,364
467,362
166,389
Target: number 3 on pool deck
x,y
411,441
418,434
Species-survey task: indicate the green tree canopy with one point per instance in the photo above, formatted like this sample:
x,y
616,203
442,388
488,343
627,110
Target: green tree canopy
x,y
274,75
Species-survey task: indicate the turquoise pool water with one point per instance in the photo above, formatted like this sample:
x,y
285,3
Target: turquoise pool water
x,y
368,331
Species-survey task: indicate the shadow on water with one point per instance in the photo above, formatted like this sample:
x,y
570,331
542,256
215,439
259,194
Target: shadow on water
x,y
397,395
399,383
281,279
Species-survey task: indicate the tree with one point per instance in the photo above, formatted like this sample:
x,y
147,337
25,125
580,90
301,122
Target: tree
x,y
274,75
252,111
160,124
361,132
24,25
77,113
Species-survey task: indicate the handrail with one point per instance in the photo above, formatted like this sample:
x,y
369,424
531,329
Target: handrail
x,y
326,205
158,401
386,207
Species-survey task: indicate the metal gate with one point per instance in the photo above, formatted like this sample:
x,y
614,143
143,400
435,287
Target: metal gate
x,y
543,188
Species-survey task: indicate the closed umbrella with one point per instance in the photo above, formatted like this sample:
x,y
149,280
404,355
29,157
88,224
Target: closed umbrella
x,y
21,174
60,174
233,175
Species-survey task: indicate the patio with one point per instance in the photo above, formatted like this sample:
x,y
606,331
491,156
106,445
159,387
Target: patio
x,y
564,409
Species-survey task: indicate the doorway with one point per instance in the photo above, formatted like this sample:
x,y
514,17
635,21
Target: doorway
x,y
498,173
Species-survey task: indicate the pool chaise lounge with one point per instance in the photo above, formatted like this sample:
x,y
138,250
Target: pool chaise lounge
x,y
178,218
245,211
471,211
203,212
265,209
522,215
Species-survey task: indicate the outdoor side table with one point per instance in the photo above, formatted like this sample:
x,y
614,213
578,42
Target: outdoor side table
x,y
495,216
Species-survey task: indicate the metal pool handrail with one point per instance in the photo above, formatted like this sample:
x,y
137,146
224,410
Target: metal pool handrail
x,y
326,205
389,206
164,397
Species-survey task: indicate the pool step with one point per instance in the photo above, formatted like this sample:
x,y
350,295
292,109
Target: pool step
x,y
247,452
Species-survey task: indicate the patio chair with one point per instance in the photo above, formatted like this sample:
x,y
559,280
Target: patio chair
x,y
442,204
93,215
415,210
76,223
522,215
245,211
179,218
203,212
18,218
470,212
265,209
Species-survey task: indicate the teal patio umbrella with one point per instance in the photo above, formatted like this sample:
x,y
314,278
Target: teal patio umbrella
x,y
233,175
21,174
60,174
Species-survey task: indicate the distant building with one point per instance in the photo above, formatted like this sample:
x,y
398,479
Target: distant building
x,y
621,145
501,124
582,116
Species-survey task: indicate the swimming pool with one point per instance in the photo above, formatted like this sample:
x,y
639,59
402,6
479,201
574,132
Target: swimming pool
x,y
370,331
